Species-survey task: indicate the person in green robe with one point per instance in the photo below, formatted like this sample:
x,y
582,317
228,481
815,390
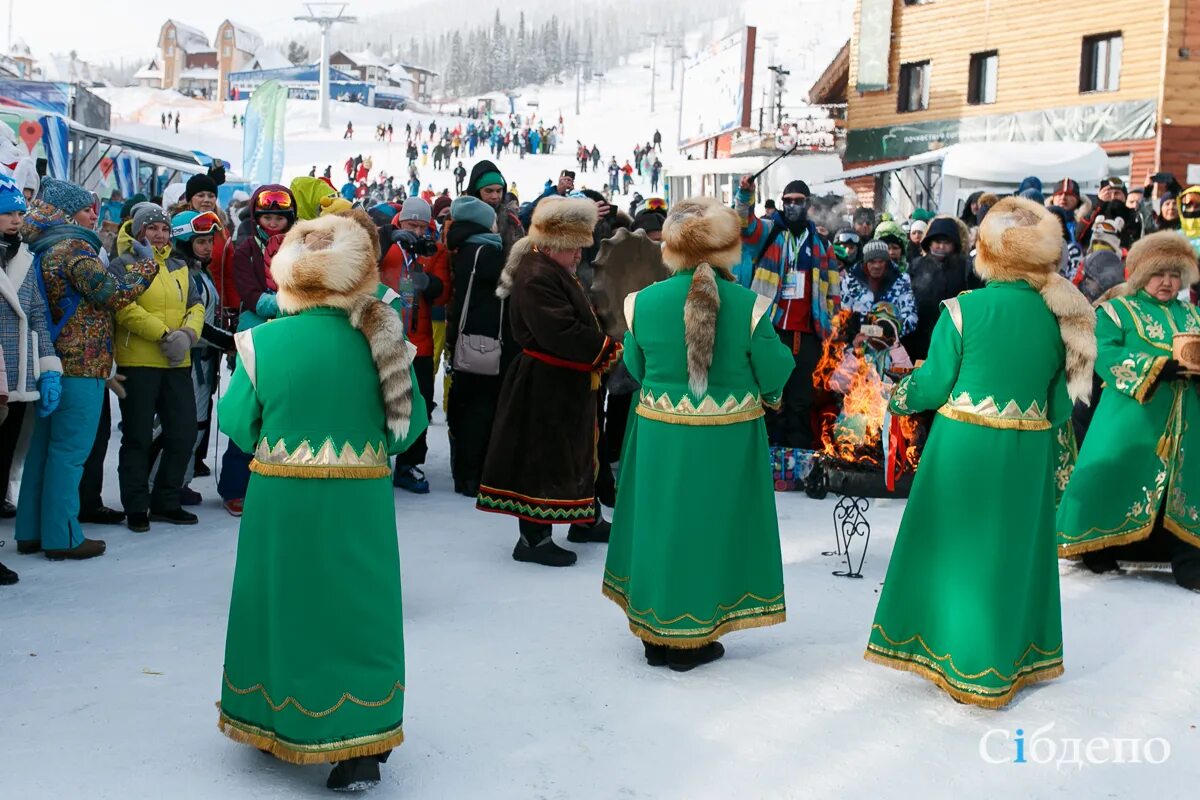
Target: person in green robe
x,y
1133,495
691,559
971,598
314,655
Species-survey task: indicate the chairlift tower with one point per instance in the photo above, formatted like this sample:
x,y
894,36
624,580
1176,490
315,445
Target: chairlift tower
x,y
325,16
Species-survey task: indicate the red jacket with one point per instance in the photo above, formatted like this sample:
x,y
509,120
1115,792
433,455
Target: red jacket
x,y
418,322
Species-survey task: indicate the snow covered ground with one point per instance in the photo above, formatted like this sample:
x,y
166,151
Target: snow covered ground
x,y
524,682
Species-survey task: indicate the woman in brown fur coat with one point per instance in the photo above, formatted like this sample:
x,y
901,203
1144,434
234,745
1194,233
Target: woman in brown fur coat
x,y
541,461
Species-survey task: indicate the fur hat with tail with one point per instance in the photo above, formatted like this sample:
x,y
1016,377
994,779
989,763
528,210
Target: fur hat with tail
x,y
700,232
331,262
1019,240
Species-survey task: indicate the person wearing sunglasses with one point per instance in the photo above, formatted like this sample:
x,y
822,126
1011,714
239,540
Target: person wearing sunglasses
x,y
155,336
273,210
792,266
193,236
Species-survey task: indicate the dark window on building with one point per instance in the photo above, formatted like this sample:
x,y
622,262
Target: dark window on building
x,y
914,87
1100,64
981,85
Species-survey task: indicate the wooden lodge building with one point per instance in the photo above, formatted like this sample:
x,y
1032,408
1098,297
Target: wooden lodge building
x,y
924,74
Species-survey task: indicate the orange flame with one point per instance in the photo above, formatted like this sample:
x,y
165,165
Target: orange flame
x,y
854,432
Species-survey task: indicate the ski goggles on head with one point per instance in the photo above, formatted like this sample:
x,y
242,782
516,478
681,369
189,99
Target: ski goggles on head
x,y
201,225
656,204
274,201
847,237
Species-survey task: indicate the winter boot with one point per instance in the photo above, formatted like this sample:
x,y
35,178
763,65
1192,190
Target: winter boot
x,y
88,548
201,470
682,659
138,521
7,576
189,497
28,548
410,479
1185,566
656,654
597,531
102,515
1101,562
176,516
354,775
536,546
7,510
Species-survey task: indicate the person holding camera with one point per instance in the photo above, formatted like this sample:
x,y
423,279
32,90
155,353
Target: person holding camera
x,y
414,274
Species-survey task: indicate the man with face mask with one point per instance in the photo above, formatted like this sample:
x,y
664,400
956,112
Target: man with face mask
x,y
941,272
792,267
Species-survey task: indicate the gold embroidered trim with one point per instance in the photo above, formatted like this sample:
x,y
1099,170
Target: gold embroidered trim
x,y
995,422
628,306
318,473
731,412
1142,333
694,637
1112,314
343,463
949,659
244,342
761,306
1181,532
289,700
1035,673
1147,383
988,408
1103,542
324,753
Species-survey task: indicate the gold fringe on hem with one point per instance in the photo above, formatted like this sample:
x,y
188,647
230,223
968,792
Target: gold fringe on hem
x,y
1188,537
983,701
1001,423
1104,542
318,473
264,740
693,643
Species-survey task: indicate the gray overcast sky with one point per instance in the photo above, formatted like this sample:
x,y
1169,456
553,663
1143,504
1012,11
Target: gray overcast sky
x,y
111,31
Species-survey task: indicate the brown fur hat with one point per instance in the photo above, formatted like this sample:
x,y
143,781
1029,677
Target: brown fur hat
x,y
1157,253
1018,240
563,223
700,230
326,262
331,262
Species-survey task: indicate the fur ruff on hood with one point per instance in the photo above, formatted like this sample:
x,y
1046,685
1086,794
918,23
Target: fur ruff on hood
x,y
700,232
1020,240
331,262
1157,253
558,223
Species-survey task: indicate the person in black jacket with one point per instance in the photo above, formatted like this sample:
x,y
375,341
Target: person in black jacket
x,y
477,254
941,273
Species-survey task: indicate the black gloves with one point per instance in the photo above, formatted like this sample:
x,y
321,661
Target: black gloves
x,y
217,172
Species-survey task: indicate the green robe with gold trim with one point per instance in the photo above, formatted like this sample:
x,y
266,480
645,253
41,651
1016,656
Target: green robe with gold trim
x,y
694,551
971,599
1134,462
314,654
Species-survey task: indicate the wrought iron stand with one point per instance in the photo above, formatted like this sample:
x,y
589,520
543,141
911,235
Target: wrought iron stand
x,y
849,521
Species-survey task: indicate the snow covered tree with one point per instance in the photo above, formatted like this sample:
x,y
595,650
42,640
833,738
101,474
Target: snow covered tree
x,y
297,53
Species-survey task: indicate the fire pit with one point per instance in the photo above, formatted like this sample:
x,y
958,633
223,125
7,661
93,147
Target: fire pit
x,y
852,479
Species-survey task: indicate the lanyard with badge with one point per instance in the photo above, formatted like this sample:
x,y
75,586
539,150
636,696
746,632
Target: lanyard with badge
x,y
406,289
793,278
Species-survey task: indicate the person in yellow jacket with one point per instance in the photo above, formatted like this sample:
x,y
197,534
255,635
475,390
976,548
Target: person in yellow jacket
x,y
154,340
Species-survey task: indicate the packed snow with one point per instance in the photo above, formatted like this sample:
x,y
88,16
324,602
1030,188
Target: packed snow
x,y
523,681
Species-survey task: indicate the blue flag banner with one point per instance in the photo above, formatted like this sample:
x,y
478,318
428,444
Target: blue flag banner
x,y
55,138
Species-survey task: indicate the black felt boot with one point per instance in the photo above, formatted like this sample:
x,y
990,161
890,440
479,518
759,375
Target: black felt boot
x,y
354,775
683,659
536,546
